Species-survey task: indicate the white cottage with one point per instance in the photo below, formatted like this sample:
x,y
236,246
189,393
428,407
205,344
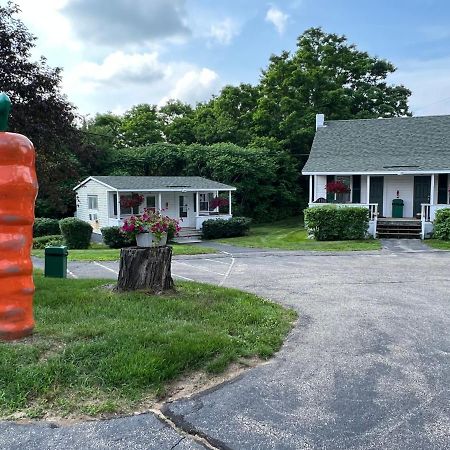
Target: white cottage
x,y
98,199
406,158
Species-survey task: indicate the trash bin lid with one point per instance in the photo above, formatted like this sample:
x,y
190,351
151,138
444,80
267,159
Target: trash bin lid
x,y
398,201
61,250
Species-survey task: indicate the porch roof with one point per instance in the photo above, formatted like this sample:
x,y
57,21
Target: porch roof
x,y
132,183
394,145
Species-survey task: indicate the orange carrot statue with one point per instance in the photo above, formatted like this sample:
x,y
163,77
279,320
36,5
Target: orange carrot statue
x,y
18,189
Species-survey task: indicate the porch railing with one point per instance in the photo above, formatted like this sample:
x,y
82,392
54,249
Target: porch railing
x,y
428,211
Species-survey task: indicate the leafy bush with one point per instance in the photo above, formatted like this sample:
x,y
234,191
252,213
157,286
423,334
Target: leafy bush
x,y
47,241
76,232
333,223
114,238
45,227
220,228
442,224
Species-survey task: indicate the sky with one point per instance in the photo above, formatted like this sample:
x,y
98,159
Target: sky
x,y
118,53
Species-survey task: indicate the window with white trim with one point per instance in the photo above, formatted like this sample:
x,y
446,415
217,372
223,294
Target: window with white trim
x,y
93,202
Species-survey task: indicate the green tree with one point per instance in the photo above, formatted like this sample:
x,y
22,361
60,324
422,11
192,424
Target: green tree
x,y
103,131
140,126
177,122
326,75
42,113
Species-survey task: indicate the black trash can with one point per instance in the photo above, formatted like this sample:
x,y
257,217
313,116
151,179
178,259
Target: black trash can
x,y
397,207
56,262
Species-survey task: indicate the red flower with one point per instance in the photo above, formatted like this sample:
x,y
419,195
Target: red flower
x,y
337,187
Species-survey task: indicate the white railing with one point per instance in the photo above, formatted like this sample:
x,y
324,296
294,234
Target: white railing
x,y
372,207
428,211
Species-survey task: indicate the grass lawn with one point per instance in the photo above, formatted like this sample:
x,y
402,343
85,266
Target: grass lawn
x,y
290,235
437,243
97,352
100,252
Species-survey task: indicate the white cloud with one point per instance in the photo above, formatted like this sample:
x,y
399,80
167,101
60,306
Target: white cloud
x,y
429,83
194,86
224,31
278,18
116,69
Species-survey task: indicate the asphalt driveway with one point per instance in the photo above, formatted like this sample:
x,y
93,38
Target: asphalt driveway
x,y
366,367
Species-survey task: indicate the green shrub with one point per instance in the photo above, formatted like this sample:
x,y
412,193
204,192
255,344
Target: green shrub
x,y
221,228
45,227
333,223
114,238
47,241
76,232
442,224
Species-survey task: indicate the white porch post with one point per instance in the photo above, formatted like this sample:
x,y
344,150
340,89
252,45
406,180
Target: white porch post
x,y
368,189
310,189
159,201
197,203
118,207
229,203
432,190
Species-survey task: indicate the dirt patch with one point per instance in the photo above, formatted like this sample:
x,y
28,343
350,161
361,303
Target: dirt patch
x,y
184,387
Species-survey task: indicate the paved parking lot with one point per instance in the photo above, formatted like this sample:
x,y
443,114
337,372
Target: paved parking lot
x,y
367,366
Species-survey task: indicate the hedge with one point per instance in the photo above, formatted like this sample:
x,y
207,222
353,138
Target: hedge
x,y
220,228
45,227
76,233
48,241
334,223
114,238
442,224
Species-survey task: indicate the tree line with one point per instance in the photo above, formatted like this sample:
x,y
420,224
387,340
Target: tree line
x,y
256,137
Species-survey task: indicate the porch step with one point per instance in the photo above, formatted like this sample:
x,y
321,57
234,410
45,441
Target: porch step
x,y
399,229
188,235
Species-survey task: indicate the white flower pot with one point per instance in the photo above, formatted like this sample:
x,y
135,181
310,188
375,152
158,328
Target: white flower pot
x,y
161,242
144,239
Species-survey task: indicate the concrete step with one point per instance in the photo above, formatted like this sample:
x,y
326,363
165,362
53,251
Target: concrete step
x,y
184,240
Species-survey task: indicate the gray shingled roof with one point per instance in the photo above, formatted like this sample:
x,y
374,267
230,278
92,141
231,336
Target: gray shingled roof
x,y
155,183
381,145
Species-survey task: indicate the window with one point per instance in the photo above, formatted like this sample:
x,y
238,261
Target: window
x,y
127,210
150,202
92,201
204,200
115,205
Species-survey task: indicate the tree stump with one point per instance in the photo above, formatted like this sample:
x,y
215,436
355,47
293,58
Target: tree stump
x,y
145,269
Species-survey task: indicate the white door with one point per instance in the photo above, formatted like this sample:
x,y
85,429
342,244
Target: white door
x,y
186,210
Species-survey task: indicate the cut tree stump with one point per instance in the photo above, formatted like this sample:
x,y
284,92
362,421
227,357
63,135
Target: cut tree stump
x,y
145,269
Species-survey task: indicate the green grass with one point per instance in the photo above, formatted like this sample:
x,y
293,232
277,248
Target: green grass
x,y
290,235
100,252
97,352
438,244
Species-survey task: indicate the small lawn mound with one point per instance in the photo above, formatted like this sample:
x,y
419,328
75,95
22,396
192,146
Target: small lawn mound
x,y
96,352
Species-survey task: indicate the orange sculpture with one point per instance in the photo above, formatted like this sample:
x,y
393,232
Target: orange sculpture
x,y
18,190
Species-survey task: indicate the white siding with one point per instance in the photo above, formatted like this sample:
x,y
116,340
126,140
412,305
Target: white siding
x,y
320,191
405,185
92,187
363,188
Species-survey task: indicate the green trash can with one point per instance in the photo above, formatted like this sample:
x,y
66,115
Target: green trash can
x,y
56,262
397,207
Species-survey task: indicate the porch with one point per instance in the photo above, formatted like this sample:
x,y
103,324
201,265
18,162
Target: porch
x,y
422,194
191,208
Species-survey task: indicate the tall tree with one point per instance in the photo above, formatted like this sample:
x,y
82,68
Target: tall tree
x,y
41,112
326,75
140,126
177,122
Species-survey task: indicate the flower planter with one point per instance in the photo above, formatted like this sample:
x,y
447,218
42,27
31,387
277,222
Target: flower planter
x,y
161,242
144,239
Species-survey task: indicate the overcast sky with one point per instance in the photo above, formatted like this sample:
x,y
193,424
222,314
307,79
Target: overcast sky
x,y
116,53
